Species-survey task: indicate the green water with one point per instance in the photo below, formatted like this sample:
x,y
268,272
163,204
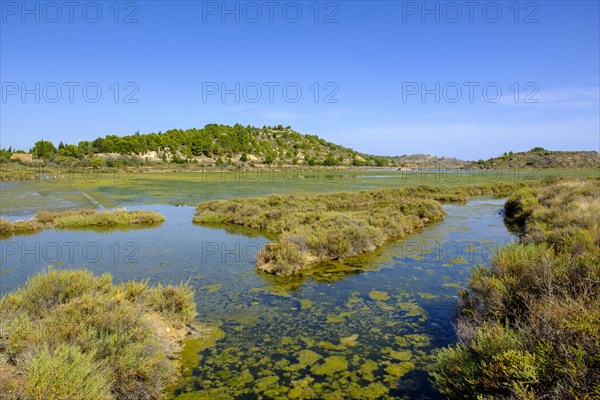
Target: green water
x,y
366,332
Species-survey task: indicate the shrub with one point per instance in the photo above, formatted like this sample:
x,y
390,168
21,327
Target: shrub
x,y
492,362
175,303
281,258
73,335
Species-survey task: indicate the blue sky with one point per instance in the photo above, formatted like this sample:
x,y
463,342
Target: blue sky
x,y
393,78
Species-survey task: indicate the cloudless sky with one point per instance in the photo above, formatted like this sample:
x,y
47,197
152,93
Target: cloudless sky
x,y
371,62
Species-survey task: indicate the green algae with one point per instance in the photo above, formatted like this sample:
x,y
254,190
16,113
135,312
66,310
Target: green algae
x,y
301,389
377,295
206,336
367,369
418,340
375,390
244,317
337,318
385,307
306,358
212,288
427,295
334,319
332,365
244,378
273,291
264,383
400,369
452,285
412,309
287,340
306,304
330,346
402,355
224,374
349,341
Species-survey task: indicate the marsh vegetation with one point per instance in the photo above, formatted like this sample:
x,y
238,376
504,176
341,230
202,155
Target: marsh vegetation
x,y
335,226
80,219
528,323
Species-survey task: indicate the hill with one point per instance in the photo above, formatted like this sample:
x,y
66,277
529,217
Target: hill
x,y
425,161
539,157
218,145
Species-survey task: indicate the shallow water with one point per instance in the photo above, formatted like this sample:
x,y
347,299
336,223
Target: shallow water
x,y
326,334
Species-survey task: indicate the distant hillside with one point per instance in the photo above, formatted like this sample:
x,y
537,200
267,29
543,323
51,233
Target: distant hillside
x,y
425,161
211,145
542,158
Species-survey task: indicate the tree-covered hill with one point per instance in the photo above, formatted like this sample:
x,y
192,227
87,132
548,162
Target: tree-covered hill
x,y
212,145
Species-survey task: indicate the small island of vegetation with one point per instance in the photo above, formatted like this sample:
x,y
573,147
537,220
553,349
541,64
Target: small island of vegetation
x,y
80,219
335,226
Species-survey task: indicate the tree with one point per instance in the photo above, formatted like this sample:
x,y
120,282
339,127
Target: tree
x,y
269,158
330,160
44,149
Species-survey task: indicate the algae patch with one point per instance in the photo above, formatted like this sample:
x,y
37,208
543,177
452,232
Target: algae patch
x,y
331,366
377,295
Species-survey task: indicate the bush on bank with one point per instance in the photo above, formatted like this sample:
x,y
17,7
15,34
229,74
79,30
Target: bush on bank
x,y
70,335
528,324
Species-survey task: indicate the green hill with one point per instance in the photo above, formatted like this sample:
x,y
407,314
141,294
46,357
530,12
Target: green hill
x,y
212,145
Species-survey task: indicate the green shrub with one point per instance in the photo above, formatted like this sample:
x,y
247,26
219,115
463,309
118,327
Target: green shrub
x,y
99,340
175,303
491,363
281,258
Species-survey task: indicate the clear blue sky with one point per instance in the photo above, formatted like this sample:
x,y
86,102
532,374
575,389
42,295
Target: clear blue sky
x,y
376,56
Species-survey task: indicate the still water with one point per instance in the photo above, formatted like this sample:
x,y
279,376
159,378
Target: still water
x,y
367,333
